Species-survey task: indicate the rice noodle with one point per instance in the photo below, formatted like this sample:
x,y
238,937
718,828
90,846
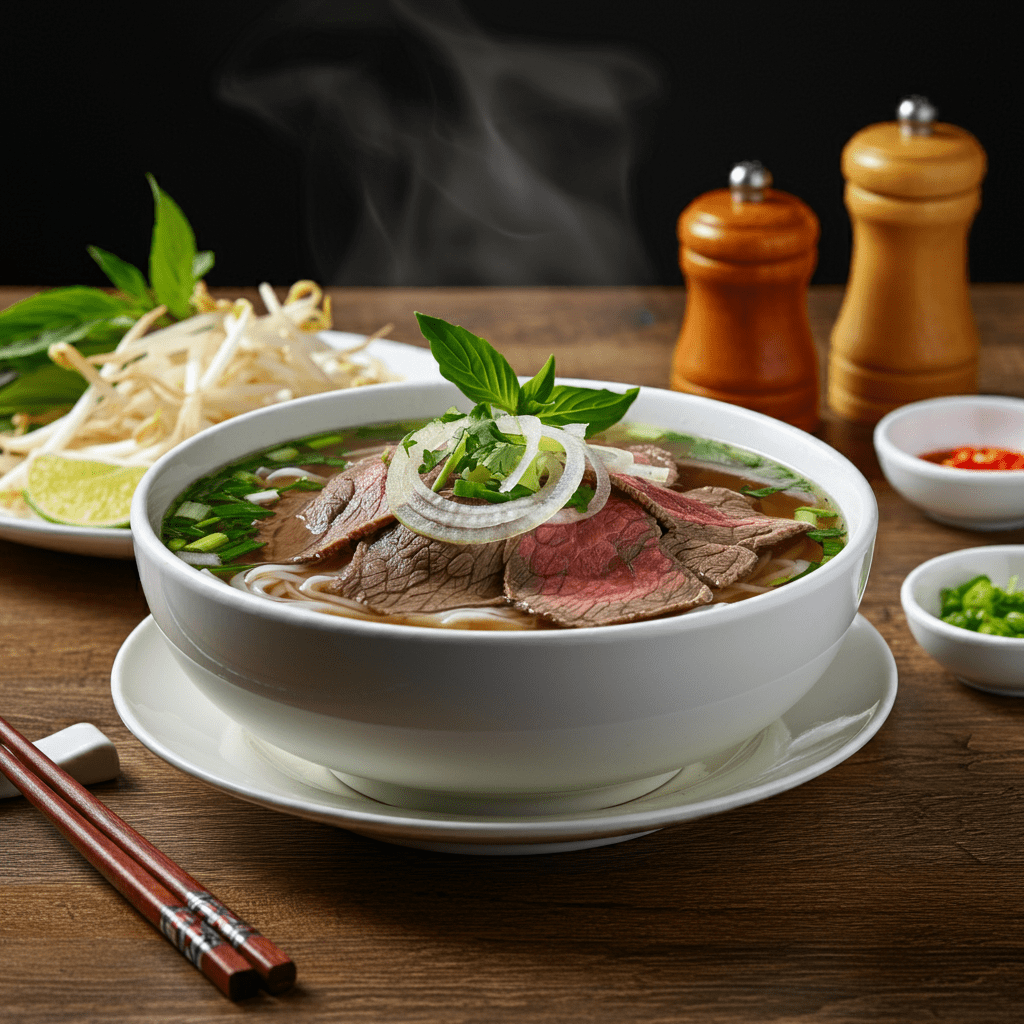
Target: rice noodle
x,y
160,387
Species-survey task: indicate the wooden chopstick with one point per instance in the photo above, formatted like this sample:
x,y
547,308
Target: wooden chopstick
x,y
230,952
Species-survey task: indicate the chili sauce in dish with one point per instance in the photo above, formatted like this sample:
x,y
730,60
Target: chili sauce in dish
x,y
971,457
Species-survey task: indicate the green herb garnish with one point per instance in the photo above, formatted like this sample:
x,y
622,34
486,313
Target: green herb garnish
x,y
477,456
484,376
92,319
981,606
214,515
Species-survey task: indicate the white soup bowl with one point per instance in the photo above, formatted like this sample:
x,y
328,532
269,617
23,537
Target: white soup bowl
x,y
520,721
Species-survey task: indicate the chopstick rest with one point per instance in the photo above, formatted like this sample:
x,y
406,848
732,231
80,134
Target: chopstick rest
x,y
233,955
81,750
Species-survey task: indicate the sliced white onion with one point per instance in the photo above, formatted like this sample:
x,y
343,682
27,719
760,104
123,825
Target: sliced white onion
x,y
530,428
602,488
619,460
263,497
428,513
199,557
293,473
656,474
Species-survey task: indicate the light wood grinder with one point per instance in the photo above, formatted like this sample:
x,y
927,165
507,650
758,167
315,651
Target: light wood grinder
x,y
906,331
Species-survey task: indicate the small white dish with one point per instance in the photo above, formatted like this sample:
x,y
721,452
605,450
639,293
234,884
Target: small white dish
x,y
411,361
966,498
994,664
844,710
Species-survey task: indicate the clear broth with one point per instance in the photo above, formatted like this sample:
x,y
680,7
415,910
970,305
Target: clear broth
x,y
701,463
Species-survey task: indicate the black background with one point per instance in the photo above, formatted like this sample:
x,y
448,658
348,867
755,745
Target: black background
x,y
96,95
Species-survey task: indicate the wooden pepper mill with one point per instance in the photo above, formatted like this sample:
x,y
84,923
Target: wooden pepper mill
x,y
747,253
905,330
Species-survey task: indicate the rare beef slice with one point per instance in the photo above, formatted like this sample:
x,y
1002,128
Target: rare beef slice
x,y
399,571
351,505
652,455
713,531
608,569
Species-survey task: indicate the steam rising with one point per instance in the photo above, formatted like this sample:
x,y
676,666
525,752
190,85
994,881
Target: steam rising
x,y
439,155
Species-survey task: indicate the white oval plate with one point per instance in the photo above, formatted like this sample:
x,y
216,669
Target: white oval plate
x,y
412,362
848,705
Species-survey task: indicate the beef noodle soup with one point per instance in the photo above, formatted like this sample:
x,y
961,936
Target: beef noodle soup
x,y
308,521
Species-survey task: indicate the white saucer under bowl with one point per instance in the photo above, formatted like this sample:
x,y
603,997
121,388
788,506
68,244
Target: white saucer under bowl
x,y
837,717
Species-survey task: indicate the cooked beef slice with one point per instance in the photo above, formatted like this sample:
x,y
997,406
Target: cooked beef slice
x,y
652,455
284,533
399,571
607,569
713,531
351,505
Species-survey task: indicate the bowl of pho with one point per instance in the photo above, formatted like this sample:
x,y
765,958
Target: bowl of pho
x,y
489,594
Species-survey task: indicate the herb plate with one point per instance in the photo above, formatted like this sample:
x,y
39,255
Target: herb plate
x,y
410,362
840,714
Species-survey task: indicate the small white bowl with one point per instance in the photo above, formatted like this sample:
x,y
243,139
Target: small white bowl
x,y
967,498
991,663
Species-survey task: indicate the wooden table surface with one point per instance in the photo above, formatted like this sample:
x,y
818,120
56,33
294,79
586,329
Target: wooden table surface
x,y
889,889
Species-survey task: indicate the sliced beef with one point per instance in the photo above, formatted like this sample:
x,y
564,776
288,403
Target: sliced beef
x,y
399,571
712,530
607,569
652,455
352,505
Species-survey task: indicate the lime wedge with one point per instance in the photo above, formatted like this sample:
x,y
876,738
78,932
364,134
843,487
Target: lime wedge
x,y
81,492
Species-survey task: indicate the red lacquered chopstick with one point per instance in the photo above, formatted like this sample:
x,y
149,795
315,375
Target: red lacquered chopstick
x,y
224,966
274,967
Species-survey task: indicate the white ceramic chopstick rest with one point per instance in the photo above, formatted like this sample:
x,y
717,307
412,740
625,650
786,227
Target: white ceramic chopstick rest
x,y
81,750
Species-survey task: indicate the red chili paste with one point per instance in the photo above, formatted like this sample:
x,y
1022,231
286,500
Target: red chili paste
x,y
969,457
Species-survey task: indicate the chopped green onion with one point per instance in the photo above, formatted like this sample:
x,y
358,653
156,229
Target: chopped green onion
x,y
208,522
240,509
282,454
192,510
316,443
177,544
820,535
232,551
457,453
760,492
329,460
210,542
302,484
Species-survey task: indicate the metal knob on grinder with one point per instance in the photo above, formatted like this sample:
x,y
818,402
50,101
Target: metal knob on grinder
x,y
747,253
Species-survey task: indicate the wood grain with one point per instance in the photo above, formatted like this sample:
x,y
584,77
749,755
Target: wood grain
x,y
887,890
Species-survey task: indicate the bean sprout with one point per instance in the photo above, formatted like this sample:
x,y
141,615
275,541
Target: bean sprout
x,y
159,387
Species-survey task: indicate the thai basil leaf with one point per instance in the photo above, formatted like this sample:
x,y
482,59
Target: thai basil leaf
x,y
535,392
172,254
122,275
49,387
202,264
480,372
599,409
89,337
57,307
